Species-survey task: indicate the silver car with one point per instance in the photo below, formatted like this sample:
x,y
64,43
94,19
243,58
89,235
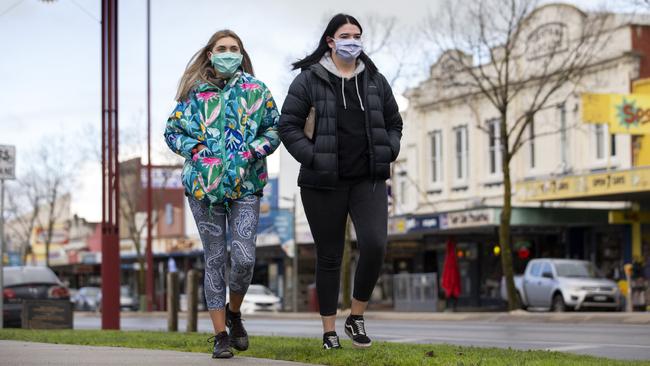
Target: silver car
x,y
565,284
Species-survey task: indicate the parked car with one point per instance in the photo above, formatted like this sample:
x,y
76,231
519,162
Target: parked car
x,y
127,299
88,298
564,284
73,292
259,298
28,283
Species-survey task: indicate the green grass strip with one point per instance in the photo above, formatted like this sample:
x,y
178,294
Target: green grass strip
x,y
309,350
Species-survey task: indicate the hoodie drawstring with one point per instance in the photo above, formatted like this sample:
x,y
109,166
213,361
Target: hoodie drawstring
x,y
345,105
356,84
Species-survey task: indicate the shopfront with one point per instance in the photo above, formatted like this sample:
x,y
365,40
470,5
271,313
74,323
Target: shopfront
x,y
418,245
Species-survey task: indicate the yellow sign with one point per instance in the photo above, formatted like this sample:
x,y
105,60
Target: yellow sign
x,y
629,217
585,186
624,113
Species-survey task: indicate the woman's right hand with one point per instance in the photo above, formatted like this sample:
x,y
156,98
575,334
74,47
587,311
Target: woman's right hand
x,y
199,151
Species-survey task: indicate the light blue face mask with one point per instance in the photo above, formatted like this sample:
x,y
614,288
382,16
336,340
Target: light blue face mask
x,y
226,62
348,49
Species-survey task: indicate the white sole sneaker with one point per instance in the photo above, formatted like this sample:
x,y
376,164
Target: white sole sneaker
x,y
356,344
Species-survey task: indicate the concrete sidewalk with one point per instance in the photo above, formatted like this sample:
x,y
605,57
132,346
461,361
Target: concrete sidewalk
x,y
18,353
519,316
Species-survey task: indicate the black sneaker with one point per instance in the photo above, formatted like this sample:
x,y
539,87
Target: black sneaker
x,y
331,341
238,335
355,328
221,345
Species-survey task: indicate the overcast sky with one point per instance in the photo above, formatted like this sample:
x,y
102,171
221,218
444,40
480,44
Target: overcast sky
x,y
50,66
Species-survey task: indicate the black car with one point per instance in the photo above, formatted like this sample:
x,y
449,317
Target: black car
x,y
27,283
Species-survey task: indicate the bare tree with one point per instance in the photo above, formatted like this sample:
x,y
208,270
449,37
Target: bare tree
x,y
23,206
133,218
40,198
54,175
493,54
394,47
131,193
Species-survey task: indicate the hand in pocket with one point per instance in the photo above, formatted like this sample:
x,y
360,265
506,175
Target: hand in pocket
x,y
210,171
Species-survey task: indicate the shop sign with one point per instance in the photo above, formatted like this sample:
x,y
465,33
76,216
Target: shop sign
x,y
162,177
623,113
629,217
472,218
627,181
412,224
547,40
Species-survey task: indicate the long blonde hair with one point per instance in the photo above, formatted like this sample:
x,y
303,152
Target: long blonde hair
x,y
200,67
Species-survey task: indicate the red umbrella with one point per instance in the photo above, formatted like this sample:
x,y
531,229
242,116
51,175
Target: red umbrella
x,y
450,274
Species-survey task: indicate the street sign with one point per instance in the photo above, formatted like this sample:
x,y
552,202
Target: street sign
x,y
7,162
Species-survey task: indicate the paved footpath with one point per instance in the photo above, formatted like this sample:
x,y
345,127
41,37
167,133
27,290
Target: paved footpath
x,y
18,353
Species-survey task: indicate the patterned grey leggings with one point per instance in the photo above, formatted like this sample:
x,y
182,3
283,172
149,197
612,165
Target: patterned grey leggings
x,y
242,225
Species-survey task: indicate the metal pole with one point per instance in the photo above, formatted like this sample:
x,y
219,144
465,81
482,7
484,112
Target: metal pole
x,y
192,300
2,248
149,252
172,301
110,265
295,254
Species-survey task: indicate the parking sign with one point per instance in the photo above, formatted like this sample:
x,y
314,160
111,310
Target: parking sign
x,y
7,162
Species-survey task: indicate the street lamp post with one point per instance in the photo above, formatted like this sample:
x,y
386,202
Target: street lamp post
x,y
2,247
295,255
7,171
149,250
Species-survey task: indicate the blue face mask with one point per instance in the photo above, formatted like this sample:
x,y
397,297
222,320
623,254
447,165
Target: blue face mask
x,y
227,62
348,49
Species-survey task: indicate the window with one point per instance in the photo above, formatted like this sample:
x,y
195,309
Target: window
x,y
494,144
402,192
460,135
535,269
564,142
436,156
577,269
547,269
604,143
169,214
531,145
599,134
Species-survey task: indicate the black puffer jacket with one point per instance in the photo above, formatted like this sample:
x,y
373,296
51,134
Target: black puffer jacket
x,y
318,158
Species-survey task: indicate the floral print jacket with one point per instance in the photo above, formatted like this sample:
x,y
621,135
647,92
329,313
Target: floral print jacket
x,y
238,125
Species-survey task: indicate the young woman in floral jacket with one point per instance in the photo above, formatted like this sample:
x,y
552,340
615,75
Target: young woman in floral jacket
x,y
225,125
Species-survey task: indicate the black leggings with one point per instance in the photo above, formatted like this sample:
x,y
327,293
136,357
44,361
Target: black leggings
x,y
327,212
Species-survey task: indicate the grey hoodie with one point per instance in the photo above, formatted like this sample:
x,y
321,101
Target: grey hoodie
x,y
327,62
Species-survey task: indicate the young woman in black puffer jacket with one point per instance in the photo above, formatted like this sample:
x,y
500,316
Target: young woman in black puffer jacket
x,y
344,163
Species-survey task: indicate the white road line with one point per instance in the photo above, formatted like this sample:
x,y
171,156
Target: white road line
x,y
571,348
391,338
408,340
